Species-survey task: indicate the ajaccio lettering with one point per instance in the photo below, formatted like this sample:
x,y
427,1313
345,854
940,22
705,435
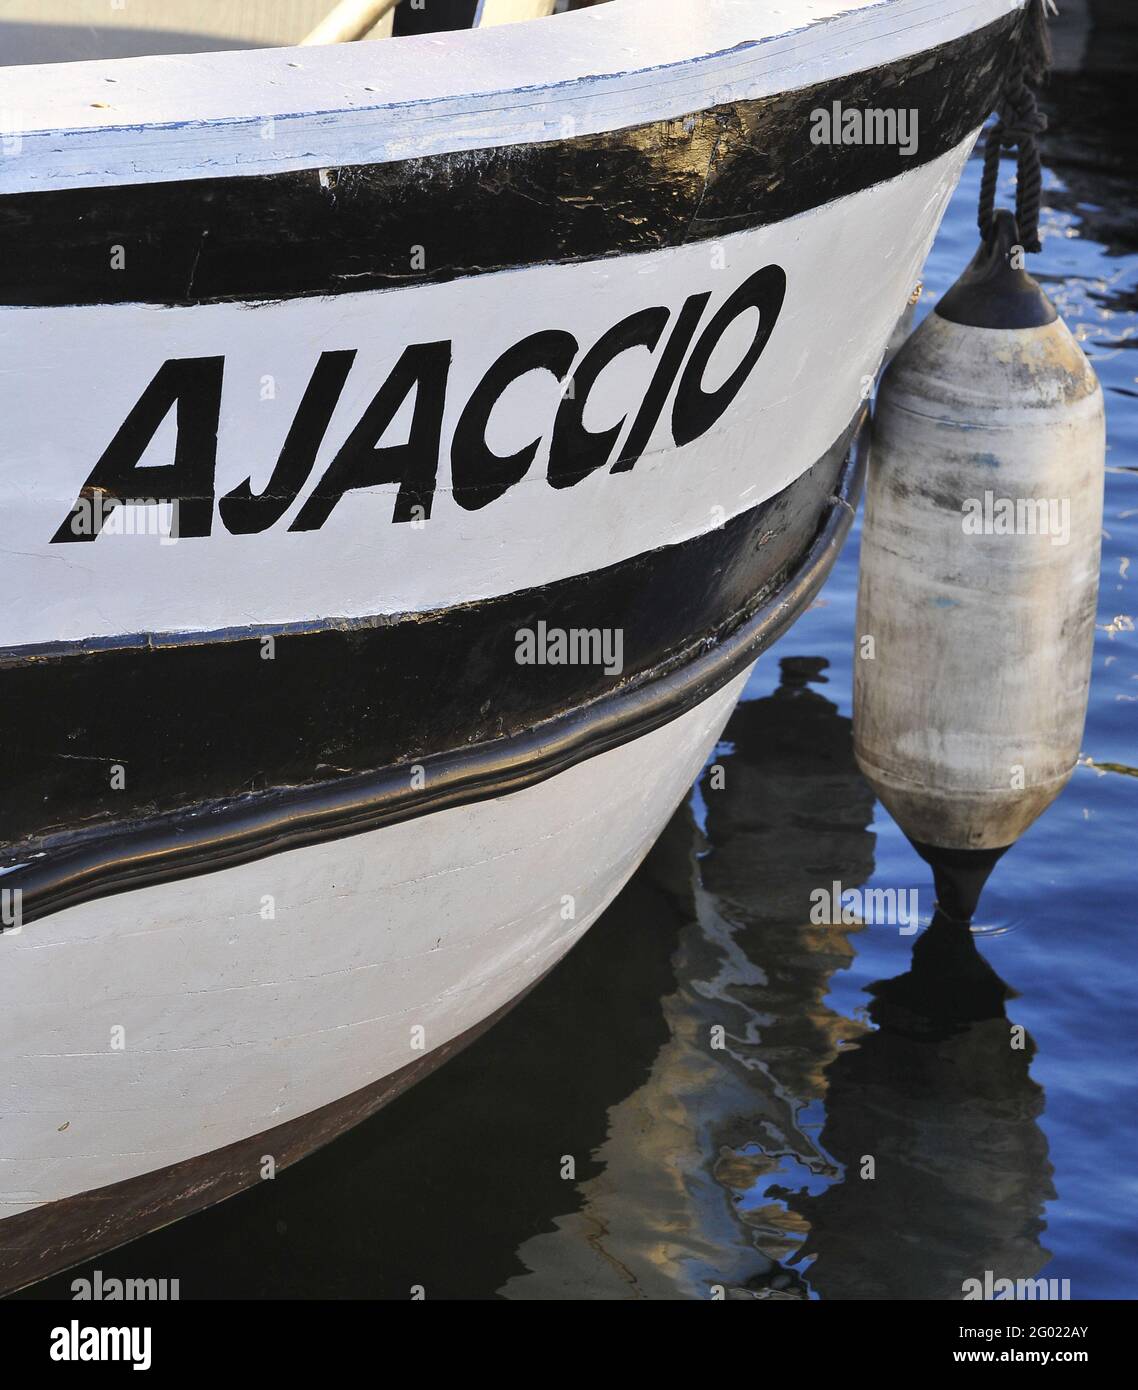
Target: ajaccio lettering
x,y
192,388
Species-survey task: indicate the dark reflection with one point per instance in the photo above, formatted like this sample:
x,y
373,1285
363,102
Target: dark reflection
x,y
938,1094
1090,141
680,1209
716,1106
940,1098
441,1187
737,1170
792,815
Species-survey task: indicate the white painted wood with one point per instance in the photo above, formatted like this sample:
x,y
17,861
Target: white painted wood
x,y
491,12
74,373
968,716
349,21
161,118
234,1023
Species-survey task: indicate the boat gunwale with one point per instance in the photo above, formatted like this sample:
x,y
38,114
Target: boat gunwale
x,y
205,114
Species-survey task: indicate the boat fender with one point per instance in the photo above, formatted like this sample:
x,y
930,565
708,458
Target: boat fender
x,y
979,570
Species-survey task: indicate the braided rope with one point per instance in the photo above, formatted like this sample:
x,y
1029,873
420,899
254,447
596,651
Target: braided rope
x,y
1018,126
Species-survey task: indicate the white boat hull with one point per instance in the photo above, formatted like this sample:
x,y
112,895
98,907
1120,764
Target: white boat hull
x,y
484,421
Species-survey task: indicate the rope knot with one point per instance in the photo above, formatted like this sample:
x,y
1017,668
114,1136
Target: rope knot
x,y
1024,125
1018,125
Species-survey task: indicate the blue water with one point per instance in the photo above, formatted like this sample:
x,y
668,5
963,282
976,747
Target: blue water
x,y
717,1070
1058,919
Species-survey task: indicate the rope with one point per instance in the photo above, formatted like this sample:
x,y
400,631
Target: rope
x,y
1019,123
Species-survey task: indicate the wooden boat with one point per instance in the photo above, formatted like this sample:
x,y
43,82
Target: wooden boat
x,y
408,448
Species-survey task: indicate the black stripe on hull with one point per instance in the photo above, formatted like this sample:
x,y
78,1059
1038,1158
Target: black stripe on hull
x,y
211,719
427,220
777,554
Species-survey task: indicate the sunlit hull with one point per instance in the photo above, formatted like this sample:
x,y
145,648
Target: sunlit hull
x,y
400,476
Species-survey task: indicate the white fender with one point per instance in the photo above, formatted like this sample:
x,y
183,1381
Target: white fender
x,y
979,576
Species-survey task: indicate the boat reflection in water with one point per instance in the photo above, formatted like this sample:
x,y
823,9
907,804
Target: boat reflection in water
x,y
736,1170
700,1171
940,1097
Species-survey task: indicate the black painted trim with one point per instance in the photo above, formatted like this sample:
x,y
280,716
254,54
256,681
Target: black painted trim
x,y
667,183
210,719
91,865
